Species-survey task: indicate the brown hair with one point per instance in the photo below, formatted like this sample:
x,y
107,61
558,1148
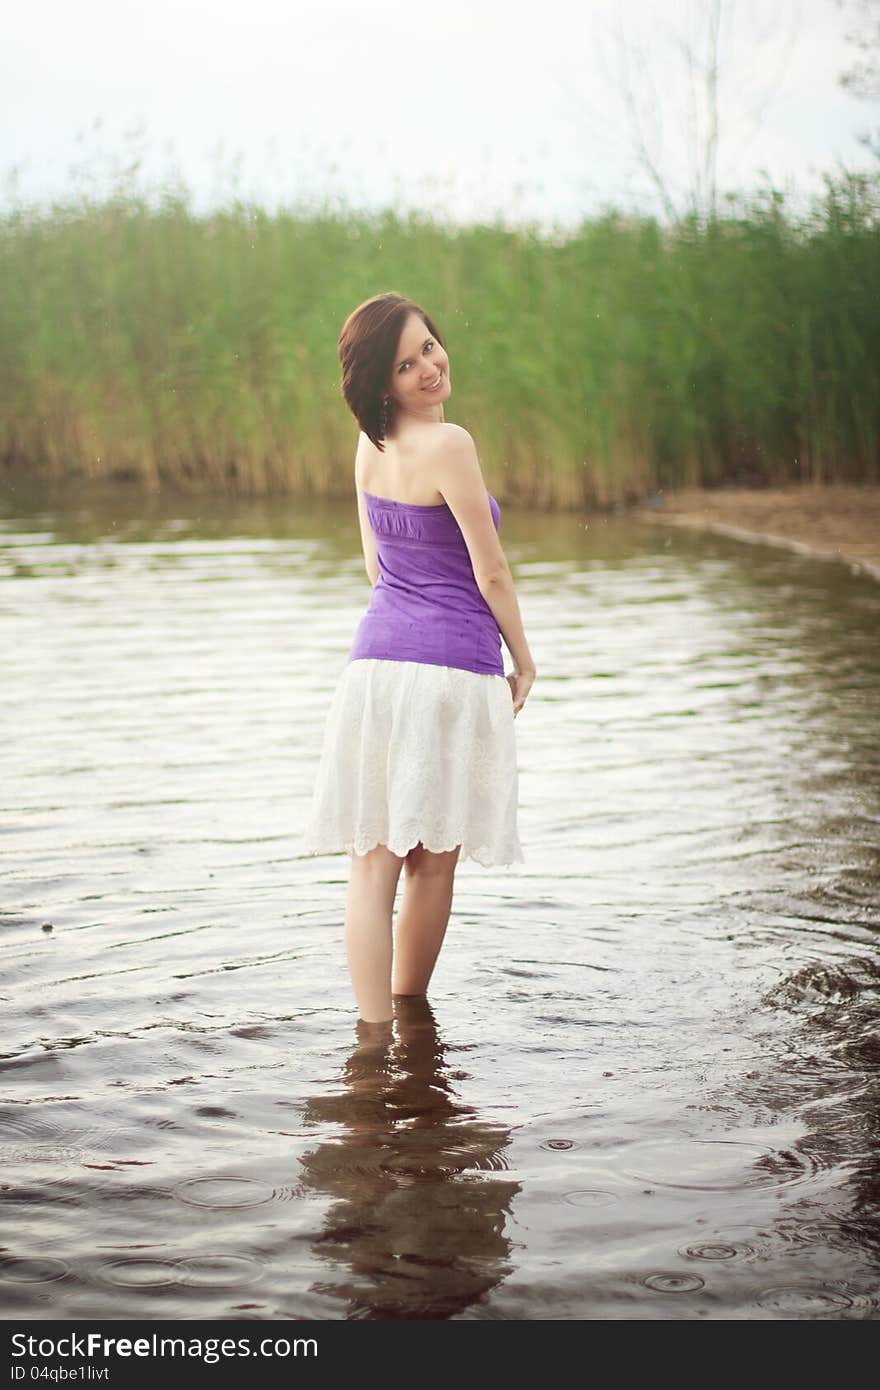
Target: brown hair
x,y
367,344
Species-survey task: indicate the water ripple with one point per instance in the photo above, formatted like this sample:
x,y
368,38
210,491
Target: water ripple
x,y
673,1282
35,1269
715,1165
223,1192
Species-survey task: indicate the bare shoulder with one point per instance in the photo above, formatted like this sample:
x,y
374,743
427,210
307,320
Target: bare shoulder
x,y
446,435
455,463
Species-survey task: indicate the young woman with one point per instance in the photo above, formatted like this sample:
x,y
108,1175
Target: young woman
x,y
418,764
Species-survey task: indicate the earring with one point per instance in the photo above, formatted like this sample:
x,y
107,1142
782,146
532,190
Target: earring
x,y
383,415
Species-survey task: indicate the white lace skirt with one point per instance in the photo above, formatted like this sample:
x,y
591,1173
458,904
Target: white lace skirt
x,y
417,753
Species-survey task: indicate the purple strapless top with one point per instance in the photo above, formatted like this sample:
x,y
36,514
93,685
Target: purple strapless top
x,y
425,605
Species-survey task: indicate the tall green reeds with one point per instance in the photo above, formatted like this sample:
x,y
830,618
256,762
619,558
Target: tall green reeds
x,y
141,340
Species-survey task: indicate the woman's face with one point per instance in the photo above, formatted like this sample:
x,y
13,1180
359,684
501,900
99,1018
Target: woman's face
x,y
419,381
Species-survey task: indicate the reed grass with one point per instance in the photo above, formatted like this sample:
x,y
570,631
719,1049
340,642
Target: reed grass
x,y
140,340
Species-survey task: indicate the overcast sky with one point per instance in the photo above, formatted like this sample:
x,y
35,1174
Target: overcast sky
x,y
467,108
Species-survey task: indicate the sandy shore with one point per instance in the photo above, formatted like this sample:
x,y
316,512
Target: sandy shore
x,y
837,522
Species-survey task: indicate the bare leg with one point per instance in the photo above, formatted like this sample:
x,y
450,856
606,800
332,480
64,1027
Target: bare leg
x,y
372,885
423,917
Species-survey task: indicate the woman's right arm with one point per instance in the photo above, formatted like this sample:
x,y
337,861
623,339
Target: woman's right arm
x,y
500,595
460,482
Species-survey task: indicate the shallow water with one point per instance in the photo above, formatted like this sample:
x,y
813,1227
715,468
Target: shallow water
x,y
647,1082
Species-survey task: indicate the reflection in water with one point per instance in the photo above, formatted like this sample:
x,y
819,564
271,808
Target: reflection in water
x,y
416,1228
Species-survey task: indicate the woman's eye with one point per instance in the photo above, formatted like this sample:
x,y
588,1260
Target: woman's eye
x,y
403,366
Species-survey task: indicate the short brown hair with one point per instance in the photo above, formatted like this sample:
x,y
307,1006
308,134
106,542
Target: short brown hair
x,y
367,344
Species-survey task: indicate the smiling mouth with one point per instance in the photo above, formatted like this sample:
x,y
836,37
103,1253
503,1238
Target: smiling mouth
x,y
434,384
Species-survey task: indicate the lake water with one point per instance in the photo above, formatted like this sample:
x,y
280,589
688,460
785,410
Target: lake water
x,y
646,1084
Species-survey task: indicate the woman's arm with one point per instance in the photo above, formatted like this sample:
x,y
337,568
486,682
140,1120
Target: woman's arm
x,y
460,480
368,539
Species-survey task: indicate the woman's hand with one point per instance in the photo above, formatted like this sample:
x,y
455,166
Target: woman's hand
x,y
520,683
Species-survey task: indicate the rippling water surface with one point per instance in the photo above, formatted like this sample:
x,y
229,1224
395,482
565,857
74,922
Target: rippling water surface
x,y
646,1084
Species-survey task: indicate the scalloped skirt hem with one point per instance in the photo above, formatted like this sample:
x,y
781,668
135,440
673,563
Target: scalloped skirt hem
x,y
413,754
481,856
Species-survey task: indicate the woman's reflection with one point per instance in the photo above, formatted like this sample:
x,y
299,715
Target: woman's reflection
x,y
417,1230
